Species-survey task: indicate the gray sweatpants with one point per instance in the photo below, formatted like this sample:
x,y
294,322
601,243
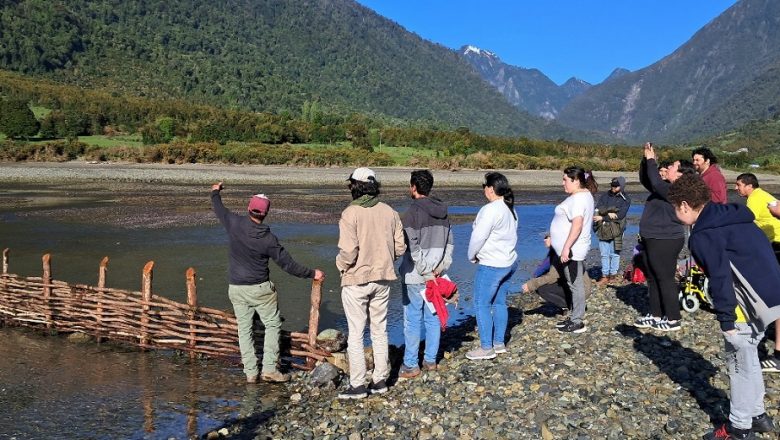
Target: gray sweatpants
x,y
746,381
574,272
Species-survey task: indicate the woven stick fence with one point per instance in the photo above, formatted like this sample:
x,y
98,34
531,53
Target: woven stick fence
x,y
140,318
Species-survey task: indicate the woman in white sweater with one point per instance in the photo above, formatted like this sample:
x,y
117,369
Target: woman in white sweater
x,y
492,247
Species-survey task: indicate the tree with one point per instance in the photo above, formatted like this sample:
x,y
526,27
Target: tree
x,y
17,120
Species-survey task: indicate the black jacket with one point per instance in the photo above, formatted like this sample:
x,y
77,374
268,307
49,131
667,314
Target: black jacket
x,y
658,218
251,245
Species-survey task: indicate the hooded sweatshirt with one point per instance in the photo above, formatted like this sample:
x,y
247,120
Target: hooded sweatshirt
x,y
428,240
251,245
611,201
739,263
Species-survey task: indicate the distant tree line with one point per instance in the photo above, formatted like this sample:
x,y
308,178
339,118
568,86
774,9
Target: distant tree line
x,y
181,130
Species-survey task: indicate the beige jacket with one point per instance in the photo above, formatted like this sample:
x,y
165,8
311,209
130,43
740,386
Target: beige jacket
x,y
370,239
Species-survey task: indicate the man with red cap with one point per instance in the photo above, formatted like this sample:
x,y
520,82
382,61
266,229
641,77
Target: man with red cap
x,y
250,290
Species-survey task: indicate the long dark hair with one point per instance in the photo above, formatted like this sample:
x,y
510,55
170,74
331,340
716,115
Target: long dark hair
x,y
585,178
501,187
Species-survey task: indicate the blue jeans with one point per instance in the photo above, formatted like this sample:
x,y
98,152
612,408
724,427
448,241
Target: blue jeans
x,y
417,313
610,260
491,285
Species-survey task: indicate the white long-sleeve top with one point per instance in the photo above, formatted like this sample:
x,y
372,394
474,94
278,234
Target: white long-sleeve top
x,y
494,236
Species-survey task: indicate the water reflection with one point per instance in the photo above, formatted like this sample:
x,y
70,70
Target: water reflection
x,y
58,389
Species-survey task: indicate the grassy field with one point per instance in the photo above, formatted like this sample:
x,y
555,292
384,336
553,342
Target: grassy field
x,y
114,141
40,112
399,155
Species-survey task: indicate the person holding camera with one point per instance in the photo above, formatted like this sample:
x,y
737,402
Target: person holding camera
x,y
609,223
662,236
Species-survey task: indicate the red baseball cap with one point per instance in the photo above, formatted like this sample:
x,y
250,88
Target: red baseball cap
x,y
259,204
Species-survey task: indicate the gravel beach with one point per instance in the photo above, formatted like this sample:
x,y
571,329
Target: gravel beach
x,y
612,382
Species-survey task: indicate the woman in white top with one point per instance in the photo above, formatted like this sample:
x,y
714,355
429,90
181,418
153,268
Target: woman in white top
x,y
570,234
492,247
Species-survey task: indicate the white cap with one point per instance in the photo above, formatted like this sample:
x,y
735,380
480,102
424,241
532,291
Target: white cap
x,y
363,175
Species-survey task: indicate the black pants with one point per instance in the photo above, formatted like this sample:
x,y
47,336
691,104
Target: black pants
x,y
555,294
661,262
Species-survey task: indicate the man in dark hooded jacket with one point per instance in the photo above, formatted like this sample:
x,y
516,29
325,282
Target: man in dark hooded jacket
x,y
743,277
428,254
609,223
250,290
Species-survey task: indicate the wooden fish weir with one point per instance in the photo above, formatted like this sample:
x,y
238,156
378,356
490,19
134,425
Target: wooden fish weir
x,y
140,318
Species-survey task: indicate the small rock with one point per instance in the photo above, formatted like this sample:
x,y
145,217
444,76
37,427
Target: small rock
x,y
332,340
79,338
295,398
323,374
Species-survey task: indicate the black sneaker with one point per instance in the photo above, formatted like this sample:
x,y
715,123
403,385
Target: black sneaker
x,y
571,327
354,393
770,365
377,388
763,423
646,321
727,432
665,325
563,323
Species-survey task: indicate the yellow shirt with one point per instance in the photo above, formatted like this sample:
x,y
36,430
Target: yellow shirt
x,y
757,202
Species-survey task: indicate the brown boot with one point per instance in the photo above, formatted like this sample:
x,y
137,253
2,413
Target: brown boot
x,y
603,281
275,376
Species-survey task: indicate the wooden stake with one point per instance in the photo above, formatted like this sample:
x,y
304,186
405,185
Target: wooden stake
x,y
47,288
192,301
99,294
146,297
314,317
5,260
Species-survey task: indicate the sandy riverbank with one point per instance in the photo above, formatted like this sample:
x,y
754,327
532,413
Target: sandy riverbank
x,y
79,171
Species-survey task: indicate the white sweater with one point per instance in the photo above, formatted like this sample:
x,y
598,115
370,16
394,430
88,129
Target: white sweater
x,y
494,236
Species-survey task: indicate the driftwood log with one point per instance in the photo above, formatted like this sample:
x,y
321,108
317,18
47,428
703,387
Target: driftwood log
x,y
140,318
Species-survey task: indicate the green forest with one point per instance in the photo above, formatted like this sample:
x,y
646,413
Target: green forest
x,y
176,131
260,55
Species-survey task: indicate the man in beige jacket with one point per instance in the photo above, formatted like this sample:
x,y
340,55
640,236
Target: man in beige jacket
x,y
370,239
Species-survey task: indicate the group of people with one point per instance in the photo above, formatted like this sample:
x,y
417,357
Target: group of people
x,y
729,242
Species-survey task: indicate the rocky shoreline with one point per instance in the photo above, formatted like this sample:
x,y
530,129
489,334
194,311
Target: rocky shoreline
x,y
612,382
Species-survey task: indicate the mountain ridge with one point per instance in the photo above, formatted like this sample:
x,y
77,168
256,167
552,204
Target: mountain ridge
x,y
662,100
526,88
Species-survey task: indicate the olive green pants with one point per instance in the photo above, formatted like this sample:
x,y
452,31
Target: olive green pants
x,y
247,300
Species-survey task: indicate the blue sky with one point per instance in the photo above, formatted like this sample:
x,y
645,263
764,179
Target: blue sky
x,y
562,38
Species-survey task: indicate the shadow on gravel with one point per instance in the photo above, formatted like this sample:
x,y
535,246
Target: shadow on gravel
x,y
634,295
685,367
257,407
